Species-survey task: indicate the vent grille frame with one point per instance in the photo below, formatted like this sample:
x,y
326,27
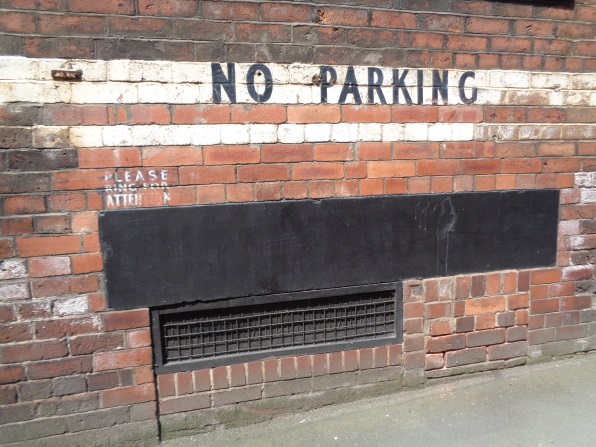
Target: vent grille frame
x,y
378,306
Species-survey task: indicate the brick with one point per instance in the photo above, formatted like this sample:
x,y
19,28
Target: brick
x,y
446,343
342,16
38,350
64,386
374,151
166,385
201,114
576,303
465,357
307,114
382,169
518,333
485,305
317,171
366,114
175,8
236,395
286,153
122,359
464,324
109,158
16,226
414,114
485,338
89,344
478,285
16,22
508,351
393,20
544,306
207,175
49,266
128,319
263,173
546,276
437,167
187,403
184,383
437,310
49,224
221,11
48,245
64,285
11,374
128,395
478,25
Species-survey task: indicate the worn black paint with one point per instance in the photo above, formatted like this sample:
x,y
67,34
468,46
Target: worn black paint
x,y
350,88
375,80
261,70
462,91
328,79
440,85
399,84
173,255
220,80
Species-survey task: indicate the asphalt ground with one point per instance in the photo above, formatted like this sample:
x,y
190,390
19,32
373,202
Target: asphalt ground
x,y
543,404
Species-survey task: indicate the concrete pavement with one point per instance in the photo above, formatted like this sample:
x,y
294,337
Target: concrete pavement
x,y
546,404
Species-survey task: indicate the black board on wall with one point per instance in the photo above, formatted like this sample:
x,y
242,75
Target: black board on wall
x,y
163,256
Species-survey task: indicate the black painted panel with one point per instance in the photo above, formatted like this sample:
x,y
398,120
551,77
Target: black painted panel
x,y
172,255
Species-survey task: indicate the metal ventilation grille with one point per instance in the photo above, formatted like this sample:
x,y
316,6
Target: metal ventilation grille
x,y
297,325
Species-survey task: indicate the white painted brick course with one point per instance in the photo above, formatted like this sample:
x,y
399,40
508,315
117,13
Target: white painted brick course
x,y
262,133
235,134
416,132
205,135
344,132
585,81
370,132
35,92
154,93
188,72
117,136
393,132
509,79
104,92
440,132
317,133
289,133
175,135
93,71
550,81
19,68
147,135
87,136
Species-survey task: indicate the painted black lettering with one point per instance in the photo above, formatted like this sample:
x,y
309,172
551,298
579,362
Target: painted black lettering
x,y
420,86
259,70
462,88
220,80
375,80
328,79
400,84
440,86
350,88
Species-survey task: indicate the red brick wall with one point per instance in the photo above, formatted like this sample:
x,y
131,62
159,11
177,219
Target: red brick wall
x,y
74,371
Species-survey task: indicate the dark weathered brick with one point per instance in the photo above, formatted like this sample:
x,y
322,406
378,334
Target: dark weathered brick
x,y
15,137
64,386
35,390
42,160
32,429
98,419
16,413
18,183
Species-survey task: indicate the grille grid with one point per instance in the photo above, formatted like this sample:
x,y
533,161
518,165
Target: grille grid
x,y
206,334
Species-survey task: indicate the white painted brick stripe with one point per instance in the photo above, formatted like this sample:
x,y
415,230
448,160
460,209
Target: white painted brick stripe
x,y
206,135
132,81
